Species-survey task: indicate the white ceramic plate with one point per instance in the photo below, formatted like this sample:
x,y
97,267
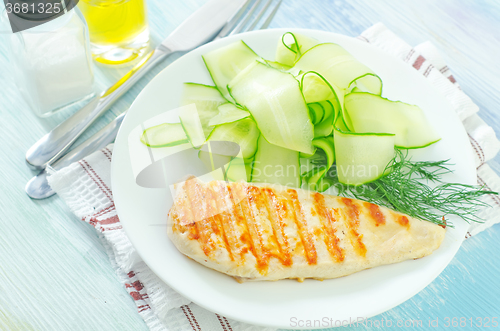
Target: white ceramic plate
x,y
284,304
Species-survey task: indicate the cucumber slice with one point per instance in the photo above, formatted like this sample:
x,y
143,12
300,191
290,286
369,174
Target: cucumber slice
x,y
228,113
239,170
305,156
287,51
359,84
279,66
316,112
340,124
313,81
243,132
327,145
276,103
225,63
316,88
291,46
346,120
338,66
372,113
362,157
207,99
164,135
324,128
324,184
315,176
328,108
276,165
190,121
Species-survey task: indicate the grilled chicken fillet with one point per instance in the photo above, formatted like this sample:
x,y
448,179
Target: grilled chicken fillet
x,y
269,232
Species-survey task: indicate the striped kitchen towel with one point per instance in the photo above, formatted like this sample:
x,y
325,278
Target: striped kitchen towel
x,y
85,187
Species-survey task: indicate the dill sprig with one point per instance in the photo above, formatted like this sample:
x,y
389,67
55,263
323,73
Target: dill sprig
x,y
405,189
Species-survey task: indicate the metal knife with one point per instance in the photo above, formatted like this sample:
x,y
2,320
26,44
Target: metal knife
x,y
196,30
38,187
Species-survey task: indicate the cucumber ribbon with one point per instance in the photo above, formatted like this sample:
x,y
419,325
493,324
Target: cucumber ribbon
x,y
313,106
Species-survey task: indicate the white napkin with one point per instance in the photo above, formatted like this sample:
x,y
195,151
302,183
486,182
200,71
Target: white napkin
x,y
85,187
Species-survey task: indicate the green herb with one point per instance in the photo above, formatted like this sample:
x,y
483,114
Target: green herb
x,y
405,190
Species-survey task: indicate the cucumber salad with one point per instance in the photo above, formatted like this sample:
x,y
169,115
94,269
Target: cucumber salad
x,y
315,107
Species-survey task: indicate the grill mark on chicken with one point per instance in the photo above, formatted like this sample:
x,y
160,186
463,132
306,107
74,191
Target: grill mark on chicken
x,y
240,247
305,236
352,223
221,218
269,246
273,248
254,230
403,221
275,210
237,212
329,230
203,227
375,213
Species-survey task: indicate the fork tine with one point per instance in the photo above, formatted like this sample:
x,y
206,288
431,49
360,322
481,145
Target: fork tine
x,y
247,18
259,15
270,16
240,19
233,20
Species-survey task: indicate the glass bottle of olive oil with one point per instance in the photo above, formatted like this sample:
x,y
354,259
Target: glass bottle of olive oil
x,y
118,29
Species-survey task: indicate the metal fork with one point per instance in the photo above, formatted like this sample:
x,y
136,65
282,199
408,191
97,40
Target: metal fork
x,y
242,21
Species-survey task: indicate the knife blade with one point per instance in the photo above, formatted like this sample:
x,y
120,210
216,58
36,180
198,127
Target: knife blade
x,y
202,25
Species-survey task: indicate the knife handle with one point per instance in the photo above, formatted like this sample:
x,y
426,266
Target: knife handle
x,y
98,141
51,146
38,187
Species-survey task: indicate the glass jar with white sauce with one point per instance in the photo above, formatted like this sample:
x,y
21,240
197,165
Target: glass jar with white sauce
x,y
51,62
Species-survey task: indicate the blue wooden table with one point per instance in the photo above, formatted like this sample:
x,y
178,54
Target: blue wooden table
x,y
54,272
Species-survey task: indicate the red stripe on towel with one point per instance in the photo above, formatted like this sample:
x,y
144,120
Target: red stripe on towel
x,y
138,295
228,325
137,285
188,317
107,154
222,323
111,220
97,180
418,62
479,151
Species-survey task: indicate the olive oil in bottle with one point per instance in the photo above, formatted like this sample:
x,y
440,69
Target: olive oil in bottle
x,y
118,29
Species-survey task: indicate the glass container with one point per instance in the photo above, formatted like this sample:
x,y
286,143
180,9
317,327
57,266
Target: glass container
x,y
119,31
52,63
